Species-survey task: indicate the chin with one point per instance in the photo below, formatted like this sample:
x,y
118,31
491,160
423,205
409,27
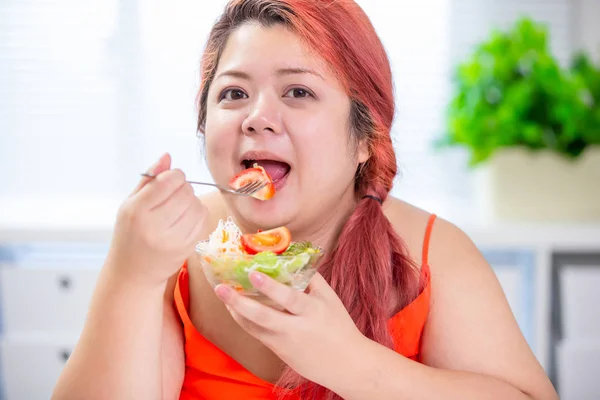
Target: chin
x,y
275,212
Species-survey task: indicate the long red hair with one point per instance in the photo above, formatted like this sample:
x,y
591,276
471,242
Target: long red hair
x,y
369,269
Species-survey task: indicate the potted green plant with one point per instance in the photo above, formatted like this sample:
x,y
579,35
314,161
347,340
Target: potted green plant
x,y
531,126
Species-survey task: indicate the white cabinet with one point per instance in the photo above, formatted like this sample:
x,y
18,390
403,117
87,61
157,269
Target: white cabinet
x,y
515,271
550,278
575,329
578,369
31,365
45,299
579,298
45,291
511,280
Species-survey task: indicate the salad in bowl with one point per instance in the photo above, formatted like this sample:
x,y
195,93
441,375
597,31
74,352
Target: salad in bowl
x,y
228,256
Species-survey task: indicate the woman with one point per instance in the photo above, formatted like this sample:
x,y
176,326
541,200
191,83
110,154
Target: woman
x,y
404,307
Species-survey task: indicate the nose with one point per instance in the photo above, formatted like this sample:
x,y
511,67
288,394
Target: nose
x,y
263,117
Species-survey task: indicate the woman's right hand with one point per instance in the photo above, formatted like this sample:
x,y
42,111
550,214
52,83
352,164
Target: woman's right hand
x,y
157,227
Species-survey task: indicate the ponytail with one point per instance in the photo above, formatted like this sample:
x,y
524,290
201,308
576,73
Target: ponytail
x,y
369,269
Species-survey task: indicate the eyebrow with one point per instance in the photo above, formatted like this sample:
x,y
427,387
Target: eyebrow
x,y
280,72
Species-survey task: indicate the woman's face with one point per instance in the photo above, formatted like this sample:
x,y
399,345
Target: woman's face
x,y
275,103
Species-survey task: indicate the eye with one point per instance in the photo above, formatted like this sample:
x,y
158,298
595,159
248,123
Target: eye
x,y
298,93
232,94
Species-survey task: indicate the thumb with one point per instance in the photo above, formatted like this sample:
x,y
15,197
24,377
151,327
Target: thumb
x,y
163,164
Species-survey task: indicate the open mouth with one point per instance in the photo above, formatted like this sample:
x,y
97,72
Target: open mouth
x,y
277,170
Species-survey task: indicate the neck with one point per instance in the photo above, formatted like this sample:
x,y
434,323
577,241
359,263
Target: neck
x,y
325,228
322,229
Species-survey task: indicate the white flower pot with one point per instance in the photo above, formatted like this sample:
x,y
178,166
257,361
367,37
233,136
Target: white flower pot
x,y
519,185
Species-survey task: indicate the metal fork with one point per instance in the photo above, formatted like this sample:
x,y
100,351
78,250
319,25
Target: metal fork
x,y
246,190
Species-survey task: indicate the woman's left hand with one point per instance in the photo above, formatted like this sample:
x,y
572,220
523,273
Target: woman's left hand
x,y
312,337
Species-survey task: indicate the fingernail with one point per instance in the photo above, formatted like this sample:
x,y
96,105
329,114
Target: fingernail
x,y
256,278
223,292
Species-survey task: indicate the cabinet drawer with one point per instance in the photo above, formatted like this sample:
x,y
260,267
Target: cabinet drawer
x,y
578,369
30,368
579,296
45,299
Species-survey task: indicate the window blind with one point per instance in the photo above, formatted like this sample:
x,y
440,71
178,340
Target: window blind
x,y
93,91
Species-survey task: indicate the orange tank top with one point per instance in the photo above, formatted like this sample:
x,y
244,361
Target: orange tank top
x,y
212,374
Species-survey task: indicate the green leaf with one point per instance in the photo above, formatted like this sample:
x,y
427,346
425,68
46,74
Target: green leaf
x,y
512,92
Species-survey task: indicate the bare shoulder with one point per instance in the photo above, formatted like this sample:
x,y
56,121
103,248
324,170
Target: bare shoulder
x,y
216,210
447,242
467,306
410,223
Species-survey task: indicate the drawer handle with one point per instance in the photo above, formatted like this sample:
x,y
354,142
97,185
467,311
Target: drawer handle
x,y
64,355
65,283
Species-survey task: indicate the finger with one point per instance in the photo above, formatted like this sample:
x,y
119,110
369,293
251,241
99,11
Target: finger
x,y
171,211
189,227
163,164
161,188
292,300
197,218
260,314
195,234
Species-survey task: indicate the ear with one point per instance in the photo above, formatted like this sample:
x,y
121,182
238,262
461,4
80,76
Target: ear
x,y
362,152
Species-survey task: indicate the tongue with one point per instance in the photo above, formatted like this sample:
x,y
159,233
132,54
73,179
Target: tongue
x,y
275,169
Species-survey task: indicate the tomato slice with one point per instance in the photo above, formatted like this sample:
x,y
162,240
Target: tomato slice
x,y
276,240
253,174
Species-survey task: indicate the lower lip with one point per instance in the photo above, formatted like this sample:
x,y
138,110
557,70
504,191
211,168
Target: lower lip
x,y
278,184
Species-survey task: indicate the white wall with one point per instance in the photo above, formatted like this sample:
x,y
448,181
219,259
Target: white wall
x,y
586,33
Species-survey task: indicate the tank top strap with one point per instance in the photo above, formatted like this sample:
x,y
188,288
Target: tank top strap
x,y
181,296
426,240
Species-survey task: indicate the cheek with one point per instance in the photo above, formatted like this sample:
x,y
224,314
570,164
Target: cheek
x,y
220,135
326,158
216,144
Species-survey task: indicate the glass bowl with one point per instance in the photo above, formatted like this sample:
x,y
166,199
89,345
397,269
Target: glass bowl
x,y
233,269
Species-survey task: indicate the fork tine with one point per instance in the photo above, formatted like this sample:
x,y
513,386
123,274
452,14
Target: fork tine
x,y
244,189
262,185
251,187
259,187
